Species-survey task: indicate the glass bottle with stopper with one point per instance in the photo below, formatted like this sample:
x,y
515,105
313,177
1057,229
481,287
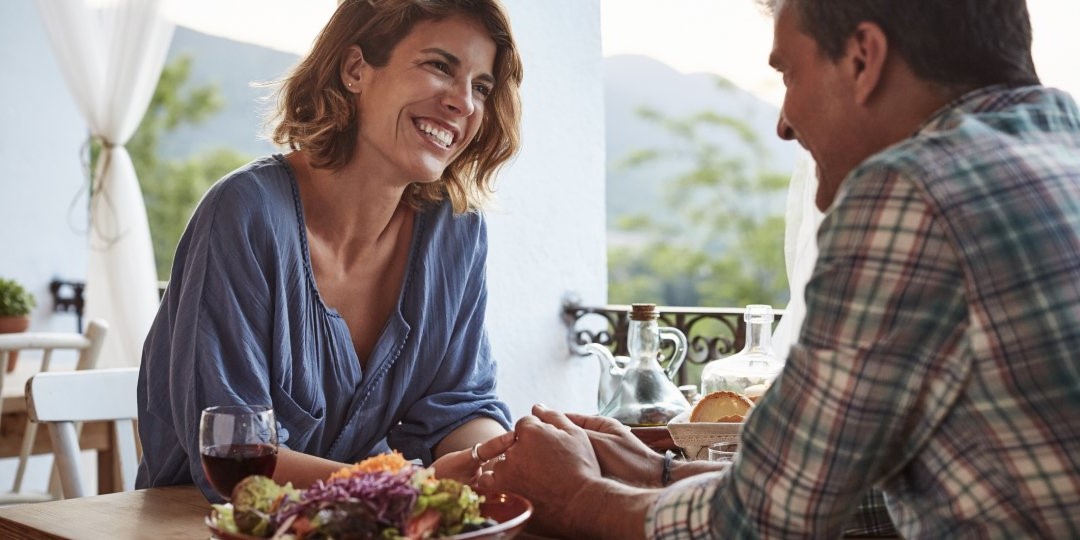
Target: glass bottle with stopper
x,y
637,391
751,370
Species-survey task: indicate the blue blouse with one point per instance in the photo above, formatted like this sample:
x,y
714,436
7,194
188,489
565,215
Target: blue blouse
x,y
242,322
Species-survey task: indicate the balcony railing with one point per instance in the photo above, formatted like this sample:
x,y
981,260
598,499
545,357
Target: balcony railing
x,y
68,297
711,333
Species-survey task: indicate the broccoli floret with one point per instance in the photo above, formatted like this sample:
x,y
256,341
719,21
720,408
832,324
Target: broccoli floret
x,y
256,497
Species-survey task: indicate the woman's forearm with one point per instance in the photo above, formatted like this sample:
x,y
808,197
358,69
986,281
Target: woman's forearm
x,y
302,469
465,436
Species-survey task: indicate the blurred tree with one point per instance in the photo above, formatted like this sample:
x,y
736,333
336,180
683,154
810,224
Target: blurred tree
x,y
723,242
172,188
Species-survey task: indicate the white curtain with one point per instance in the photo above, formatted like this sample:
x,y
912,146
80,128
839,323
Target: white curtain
x,y
111,59
800,248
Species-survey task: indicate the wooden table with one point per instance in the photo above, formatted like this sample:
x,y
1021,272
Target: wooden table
x,y
656,437
159,513
162,513
95,435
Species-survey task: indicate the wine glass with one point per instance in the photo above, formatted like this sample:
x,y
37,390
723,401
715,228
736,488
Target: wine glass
x,y
236,441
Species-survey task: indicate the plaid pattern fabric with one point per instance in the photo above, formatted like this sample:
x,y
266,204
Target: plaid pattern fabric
x,y
940,356
871,519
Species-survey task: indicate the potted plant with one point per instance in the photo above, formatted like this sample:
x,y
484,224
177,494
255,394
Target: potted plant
x,y
15,306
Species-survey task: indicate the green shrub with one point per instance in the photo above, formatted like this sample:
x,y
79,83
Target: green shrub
x,y
15,301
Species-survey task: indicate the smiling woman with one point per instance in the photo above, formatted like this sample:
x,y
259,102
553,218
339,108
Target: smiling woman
x,y
344,283
317,110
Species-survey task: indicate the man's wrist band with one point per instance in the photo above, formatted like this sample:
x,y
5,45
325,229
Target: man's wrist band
x,y
665,475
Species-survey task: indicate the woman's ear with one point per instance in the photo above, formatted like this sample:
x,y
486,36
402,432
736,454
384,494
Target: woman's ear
x,y
352,69
868,50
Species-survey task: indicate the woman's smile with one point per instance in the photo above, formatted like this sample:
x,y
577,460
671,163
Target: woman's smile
x,y
443,136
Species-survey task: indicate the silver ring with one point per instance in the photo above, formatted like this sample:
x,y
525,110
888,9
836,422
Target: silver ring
x,y
476,454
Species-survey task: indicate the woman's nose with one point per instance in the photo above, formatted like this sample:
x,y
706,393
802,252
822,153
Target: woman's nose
x,y
784,130
459,99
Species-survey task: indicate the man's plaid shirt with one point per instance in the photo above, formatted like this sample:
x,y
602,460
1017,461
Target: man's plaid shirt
x,y
940,357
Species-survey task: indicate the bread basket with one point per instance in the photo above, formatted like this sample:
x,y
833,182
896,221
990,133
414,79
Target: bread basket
x,y
695,437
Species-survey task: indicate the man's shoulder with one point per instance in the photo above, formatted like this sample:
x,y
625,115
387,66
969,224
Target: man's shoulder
x,y
979,138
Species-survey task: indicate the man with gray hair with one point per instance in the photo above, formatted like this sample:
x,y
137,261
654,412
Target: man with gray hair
x,y
938,360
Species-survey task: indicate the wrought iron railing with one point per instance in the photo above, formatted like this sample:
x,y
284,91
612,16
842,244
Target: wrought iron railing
x,y
68,297
711,333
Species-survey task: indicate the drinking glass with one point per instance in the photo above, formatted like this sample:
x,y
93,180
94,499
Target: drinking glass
x,y
723,451
236,441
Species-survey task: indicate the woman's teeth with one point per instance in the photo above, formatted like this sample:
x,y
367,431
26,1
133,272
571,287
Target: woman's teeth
x,y
441,135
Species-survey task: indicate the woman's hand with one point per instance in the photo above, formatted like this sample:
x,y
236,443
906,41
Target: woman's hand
x,y
465,466
621,454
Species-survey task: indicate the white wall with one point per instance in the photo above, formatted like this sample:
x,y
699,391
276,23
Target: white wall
x,y
42,186
548,236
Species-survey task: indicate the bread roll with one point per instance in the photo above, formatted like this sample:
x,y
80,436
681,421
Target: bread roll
x,y
755,392
721,406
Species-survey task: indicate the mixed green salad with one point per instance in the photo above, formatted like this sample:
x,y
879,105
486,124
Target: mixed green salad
x,y
384,497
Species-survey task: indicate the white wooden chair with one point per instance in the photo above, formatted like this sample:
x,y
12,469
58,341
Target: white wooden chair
x,y
87,345
63,398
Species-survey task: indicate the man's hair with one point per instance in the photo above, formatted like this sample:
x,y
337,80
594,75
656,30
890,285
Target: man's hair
x,y
956,44
317,113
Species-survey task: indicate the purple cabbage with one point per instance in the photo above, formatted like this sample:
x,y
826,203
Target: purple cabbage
x,y
390,497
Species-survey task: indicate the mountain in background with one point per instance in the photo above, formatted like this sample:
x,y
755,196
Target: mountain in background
x,y
235,68
630,82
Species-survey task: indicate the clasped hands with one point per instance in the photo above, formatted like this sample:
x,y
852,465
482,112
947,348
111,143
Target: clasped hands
x,y
550,456
549,442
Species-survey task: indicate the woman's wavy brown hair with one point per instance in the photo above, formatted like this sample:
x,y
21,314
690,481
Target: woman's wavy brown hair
x,y
317,113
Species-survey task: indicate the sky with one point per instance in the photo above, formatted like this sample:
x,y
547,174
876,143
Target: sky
x,y
727,37
278,24
733,38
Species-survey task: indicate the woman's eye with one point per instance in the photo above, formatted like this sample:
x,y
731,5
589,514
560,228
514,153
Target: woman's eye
x,y
439,65
482,89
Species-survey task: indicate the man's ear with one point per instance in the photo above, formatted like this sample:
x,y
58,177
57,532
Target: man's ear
x,y
868,50
352,72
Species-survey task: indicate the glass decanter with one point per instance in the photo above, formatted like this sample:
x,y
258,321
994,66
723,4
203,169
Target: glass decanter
x,y
755,365
636,390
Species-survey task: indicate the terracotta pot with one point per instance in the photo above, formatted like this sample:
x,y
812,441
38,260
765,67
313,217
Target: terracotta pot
x,y
10,325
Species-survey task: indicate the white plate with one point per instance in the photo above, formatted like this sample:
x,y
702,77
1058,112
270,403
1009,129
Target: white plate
x,y
694,437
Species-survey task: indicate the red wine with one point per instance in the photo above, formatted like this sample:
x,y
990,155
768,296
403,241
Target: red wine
x,y
226,465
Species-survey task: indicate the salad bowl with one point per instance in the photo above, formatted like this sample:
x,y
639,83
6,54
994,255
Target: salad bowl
x,y
511,511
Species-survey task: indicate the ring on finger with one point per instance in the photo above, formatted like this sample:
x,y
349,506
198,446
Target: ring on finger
x,y
476,455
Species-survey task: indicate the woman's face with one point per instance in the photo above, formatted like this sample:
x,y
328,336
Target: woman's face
x,y
419,112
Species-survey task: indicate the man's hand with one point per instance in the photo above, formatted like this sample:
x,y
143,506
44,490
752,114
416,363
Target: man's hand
x,y
621,455
551,464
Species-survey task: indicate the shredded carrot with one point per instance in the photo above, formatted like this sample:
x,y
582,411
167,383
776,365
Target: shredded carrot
x,y
391,462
